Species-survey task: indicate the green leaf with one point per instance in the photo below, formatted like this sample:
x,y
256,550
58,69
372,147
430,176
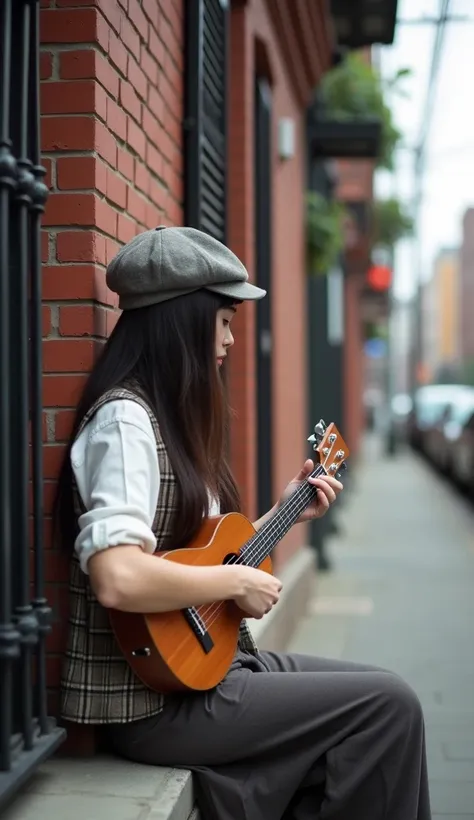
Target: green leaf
x,y
324,232
355,90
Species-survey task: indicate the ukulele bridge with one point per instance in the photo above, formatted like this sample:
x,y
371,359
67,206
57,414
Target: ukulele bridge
x,y
198,627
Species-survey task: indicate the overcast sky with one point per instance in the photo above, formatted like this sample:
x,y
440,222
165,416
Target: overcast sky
x,y
449,175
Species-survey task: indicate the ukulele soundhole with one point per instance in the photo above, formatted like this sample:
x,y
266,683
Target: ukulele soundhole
x,y
230,558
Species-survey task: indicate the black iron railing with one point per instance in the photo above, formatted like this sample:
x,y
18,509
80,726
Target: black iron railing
x,y
27,734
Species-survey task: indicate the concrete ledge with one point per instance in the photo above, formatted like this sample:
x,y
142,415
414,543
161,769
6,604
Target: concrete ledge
x,y
93,788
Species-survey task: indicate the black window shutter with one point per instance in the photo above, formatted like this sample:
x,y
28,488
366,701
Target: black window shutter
x,y
205,125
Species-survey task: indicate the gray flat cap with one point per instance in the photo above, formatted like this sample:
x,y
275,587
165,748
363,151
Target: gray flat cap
x,y
167,262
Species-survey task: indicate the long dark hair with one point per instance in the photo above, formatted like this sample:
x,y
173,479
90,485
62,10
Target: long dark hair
x,y
168,350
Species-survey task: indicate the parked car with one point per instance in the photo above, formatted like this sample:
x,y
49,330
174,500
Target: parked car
x,y
457,457
426,421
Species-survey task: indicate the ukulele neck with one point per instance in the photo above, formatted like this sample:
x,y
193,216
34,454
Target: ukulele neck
x,y
263,542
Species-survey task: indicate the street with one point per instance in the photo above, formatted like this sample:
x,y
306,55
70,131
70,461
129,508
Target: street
x,y
401,596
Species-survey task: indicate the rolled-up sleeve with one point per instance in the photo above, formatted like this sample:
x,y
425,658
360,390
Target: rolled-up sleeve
x,y
115,464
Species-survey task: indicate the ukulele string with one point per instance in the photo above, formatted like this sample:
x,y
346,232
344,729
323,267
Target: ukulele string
x,y
293,504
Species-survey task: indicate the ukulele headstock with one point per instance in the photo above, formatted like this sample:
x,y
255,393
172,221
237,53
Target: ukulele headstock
x,y
330,448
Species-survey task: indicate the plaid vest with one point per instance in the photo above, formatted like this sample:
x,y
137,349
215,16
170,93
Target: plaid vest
x,y
98,685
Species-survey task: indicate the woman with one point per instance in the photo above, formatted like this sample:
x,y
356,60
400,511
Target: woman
x,y
282,735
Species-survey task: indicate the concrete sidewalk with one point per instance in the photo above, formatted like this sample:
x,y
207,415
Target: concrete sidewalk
x,y
401,596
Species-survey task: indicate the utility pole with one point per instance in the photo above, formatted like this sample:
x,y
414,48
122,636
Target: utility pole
x,y
419,169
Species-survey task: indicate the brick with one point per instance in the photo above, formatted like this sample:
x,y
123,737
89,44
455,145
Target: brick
x,y
172,99
105,143
135,137
109,8
174,128
142,177
63,423
174,181
67,134
130,38
116,119
44,246
125,228
137,78
79,173
82,320
66,209
46,320
88,63
125,163
80,97
53,456
74,282
129,100
156,104
151,9
81,246
65,355
136,205
106,217
135,14
154,160
48,166
158,194
44,427
175,17
165,144
118,53
70,209
149,66
74,26
153,216
152,128
116,189
46,65
156,47
112,248
173,75
63,391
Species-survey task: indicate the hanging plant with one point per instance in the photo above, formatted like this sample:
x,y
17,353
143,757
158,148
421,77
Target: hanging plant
x,y
391,222
324,232
354,90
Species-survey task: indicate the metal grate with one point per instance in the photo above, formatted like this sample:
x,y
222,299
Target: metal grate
x,y
27,734
206,116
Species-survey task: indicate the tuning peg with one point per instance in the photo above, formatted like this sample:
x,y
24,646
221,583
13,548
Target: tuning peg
x,y
342,469
318,435
320,428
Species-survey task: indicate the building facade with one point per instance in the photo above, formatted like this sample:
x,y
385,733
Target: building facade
x,y
117,83
466,292
441,310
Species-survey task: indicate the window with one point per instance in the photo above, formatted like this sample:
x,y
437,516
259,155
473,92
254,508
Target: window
x,y
206,116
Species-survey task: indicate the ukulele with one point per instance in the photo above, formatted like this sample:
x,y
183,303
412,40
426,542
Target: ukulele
x,y
192,649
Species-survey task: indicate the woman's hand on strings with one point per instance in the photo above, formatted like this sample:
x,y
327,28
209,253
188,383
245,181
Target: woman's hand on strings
x,y
328,489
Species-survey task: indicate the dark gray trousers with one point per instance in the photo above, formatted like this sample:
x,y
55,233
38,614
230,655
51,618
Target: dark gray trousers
x,y
294,737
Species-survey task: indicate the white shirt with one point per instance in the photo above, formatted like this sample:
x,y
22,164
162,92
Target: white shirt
x,y
115,464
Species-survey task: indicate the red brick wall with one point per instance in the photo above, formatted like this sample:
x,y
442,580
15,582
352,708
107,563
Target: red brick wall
x,y
112,106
